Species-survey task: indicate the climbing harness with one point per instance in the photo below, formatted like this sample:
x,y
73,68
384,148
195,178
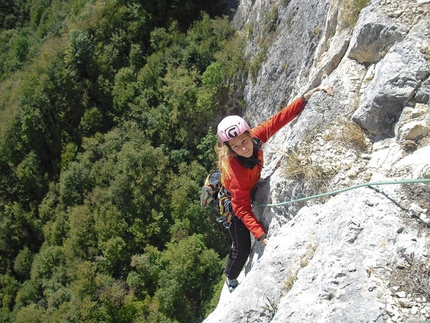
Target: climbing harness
x,y
214,192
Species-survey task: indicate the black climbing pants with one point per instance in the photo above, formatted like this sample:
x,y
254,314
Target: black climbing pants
x,y
240,248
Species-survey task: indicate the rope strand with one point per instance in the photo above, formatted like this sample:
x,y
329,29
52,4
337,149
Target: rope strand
x,y
424,180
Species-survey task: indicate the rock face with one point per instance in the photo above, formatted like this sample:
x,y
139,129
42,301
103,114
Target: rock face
x,y
397,78
359,254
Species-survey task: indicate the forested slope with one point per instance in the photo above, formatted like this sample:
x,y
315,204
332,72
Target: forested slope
x,y
104,112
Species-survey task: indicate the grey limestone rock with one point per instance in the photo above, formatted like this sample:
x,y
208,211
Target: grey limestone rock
x,y
348,256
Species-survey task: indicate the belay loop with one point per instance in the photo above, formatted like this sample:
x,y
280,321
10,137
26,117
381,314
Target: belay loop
x,y
225,208
214,192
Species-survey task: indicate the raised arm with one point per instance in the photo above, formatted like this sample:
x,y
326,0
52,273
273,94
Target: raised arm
x,y
328,89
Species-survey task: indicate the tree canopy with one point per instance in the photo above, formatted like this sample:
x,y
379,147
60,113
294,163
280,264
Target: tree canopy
x,y
105,140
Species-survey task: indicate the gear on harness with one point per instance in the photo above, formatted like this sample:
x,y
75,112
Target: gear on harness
x,y
214,192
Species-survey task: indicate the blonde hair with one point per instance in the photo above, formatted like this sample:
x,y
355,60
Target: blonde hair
x,y
224,155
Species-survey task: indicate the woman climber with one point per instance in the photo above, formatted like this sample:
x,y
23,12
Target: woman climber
x,y
240,159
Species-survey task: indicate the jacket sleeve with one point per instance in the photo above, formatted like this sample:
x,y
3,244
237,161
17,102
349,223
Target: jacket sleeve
x,y
268,128
239,187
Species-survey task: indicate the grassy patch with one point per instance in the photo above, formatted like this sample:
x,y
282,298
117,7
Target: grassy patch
x,y
264,39
303,262
419,193
349,135
270,19
290,280
285,3
269,309
412,278
307,257
352,135
350,10
300,167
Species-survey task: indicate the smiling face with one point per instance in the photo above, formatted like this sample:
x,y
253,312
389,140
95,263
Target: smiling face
x,y
242,145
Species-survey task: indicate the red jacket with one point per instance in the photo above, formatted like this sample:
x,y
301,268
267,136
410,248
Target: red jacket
x,y
243,179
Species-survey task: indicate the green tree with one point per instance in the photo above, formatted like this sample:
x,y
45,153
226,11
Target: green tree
x,y
79,52
29,293
48,264
29,314
18,48
206,150
22,264
19,228
9,287
82,238
12,13
147,268
124,90
184,284
75,183
103,150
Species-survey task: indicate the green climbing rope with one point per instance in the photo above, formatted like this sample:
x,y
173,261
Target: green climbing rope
x,y
408,181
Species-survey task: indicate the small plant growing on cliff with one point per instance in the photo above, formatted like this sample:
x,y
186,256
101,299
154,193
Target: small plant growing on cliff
x,y
307,257
269,309
255,65
413,279
285,3
291,17
349,135
350,10
420,194
249,31
299,167
290,280
304,261
353,135
271,19
311,175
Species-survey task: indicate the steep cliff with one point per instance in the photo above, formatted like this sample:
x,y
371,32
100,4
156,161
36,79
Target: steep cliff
x,y
360,254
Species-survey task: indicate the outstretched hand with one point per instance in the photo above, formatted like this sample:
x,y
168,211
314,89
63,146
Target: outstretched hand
x,y
328,89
